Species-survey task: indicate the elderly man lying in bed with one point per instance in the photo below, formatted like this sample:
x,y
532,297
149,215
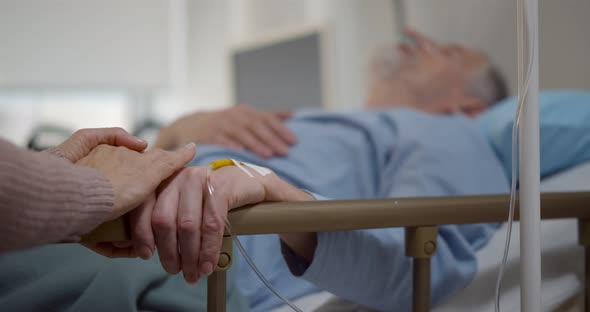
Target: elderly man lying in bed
x,y
428,76
360,154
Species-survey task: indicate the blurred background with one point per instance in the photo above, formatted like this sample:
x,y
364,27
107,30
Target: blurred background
x,y
137,64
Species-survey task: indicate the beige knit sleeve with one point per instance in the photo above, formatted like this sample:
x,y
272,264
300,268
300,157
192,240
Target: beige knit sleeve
x,y
46,199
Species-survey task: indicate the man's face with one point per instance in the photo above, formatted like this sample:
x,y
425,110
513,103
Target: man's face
x,y
429,66
428,76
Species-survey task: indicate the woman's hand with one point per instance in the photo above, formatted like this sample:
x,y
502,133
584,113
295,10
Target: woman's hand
x,y
133,175
240,127
81,143
188,223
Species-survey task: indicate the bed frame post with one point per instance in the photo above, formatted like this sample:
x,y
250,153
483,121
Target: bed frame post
x,y
216,282
584,240
421,246
216,292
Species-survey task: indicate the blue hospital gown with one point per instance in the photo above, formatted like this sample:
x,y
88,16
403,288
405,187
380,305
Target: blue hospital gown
x,y
374,154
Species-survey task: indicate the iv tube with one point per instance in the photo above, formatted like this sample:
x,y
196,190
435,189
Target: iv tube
x,y
245,255
523,88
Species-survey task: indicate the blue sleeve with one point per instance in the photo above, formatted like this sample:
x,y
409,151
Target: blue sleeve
x,y
370,266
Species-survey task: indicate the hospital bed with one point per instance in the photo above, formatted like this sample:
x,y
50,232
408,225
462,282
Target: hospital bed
x,y
420,217
563,268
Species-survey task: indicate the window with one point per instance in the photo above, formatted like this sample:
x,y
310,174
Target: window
x,y
21,111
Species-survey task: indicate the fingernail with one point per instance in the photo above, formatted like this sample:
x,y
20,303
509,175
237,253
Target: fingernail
x,y
171,269
140,140
191,279
190,145
207,269
145,253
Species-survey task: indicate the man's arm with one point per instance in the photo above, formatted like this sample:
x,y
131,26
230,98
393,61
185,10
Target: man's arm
x,y
301,244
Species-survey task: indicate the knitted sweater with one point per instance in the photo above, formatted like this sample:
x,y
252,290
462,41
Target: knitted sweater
x,y
46,199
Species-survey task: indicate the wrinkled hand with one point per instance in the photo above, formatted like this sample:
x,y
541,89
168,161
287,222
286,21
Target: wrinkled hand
x,y
84,141
135,175
186,223
189,237
240,127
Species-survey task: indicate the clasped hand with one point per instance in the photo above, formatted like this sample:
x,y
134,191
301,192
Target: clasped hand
x,y
169,206
185,222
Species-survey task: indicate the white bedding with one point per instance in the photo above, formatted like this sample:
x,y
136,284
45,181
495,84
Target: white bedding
x,y
562,264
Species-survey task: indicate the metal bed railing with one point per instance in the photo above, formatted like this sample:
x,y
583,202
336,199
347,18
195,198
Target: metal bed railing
x,y
420,216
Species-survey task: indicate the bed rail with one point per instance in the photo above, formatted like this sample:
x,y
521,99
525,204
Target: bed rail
x,y
418,215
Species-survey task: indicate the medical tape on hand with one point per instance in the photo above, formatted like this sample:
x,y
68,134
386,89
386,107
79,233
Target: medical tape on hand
x,y
232,162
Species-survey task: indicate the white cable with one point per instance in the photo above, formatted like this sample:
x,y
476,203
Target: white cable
x,y
243,251
522,90
255,269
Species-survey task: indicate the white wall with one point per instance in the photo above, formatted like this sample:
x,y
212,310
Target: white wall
x,y
208,41
84,43
356,28
565,44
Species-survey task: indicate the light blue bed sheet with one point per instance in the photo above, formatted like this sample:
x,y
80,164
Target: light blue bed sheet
x,y
363,154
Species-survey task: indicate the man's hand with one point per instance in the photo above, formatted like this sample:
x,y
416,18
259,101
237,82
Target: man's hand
x,y
84,141
186,222
240,127
135,175
198,229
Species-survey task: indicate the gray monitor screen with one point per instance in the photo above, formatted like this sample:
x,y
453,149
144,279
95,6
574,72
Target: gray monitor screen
x,y
280,76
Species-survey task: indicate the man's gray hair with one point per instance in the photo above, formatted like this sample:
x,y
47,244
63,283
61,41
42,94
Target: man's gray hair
x,y
489,85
